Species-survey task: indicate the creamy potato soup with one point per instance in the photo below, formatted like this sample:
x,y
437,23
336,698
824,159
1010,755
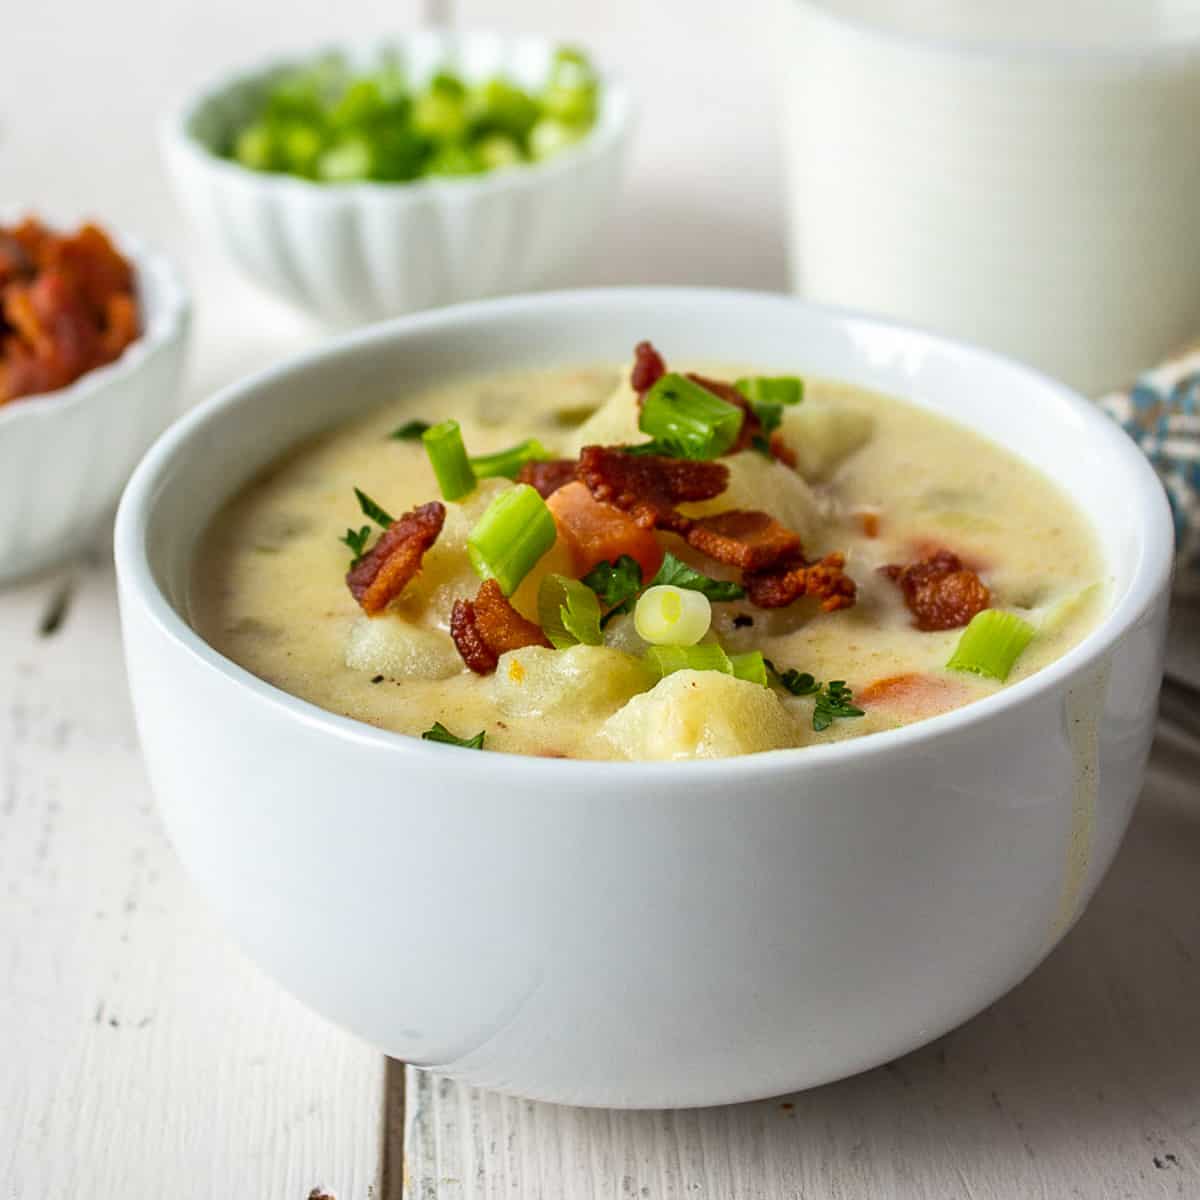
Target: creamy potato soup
x,y
793,562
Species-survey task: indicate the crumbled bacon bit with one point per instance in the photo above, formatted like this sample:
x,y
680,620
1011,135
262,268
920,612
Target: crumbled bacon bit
x,y
868,520
67,305
386,569
743,538
489,626
940,591
782,451
547,477
786,582
648,486
648,368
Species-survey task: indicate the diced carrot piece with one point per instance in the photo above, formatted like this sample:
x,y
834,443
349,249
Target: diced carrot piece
x,y
595,532
915,691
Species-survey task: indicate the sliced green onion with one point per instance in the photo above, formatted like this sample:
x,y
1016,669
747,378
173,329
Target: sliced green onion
x,y
766,389
508,462
671,616
991,644
568,612
448,457
514,532
665,660
750,666
684,414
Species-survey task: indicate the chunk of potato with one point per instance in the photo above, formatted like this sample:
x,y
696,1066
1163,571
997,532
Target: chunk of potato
x,y
824,435
614,423
701,714
761,483
392,646
591,680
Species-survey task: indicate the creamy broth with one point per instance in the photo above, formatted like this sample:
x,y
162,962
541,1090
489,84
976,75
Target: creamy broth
x,y
271,594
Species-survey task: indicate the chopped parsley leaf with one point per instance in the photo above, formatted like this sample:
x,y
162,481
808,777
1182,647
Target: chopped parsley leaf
x,y
357,541
378,514
616,584
833,700
799,683
439,733
678,574
410,431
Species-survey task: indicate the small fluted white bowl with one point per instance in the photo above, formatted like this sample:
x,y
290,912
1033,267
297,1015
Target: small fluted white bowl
x,y
65,455
358,252
645,934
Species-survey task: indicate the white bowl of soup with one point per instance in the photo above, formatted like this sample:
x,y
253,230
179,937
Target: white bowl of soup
x,y
360,249
661,876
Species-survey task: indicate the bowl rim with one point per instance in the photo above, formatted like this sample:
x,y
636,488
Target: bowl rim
x,y
164,308
611,126
1148,584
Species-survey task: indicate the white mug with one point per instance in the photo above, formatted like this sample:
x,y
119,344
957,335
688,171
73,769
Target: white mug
x,y
1024,175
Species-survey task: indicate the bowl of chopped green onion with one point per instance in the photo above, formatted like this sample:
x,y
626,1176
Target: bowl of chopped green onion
x,y
361,183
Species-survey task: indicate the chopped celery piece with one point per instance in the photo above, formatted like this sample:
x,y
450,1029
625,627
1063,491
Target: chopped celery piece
x,y
440,112
503,108
665,660
991,644
453,159
672,616
750,666
448,457
513,533
766,389
508,462
346,161
333,124
254,147
499,150
689,417
550,137
568,612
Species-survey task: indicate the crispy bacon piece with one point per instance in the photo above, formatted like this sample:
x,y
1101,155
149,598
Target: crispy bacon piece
x,y
940,591
385,571
782,451
787,581
547,477
67,305
648,368
489,626
744,538
648,486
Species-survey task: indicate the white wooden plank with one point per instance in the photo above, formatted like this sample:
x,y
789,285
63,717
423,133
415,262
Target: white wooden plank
x,y
141,1055
1083,1082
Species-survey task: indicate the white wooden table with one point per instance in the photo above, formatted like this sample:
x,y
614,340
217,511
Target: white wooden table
x,y
141,1057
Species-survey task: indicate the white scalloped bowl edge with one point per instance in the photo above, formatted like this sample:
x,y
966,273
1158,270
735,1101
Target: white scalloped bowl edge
x,y
360,252
66,455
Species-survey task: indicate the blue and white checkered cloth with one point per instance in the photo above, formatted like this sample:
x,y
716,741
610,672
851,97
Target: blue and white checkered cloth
x,y
1161,412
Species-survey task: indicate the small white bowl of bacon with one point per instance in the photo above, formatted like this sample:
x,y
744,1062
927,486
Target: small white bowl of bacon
x,y
92,336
